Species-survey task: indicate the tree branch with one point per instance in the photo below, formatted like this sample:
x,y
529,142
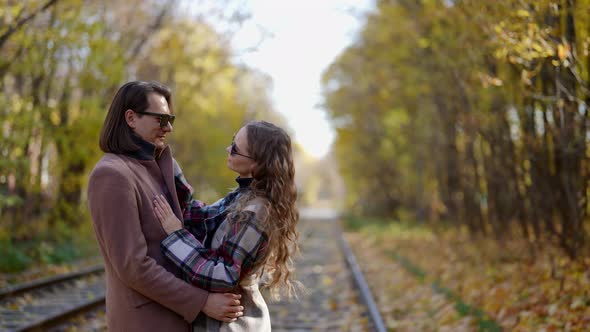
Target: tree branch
x,y
4,37
155,26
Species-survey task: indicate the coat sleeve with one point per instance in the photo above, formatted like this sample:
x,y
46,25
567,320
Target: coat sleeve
x,y
218,270
113,202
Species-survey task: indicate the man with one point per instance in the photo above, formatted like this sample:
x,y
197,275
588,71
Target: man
x,y
144,292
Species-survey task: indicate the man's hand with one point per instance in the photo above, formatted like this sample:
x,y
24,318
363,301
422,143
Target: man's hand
x,y
223,306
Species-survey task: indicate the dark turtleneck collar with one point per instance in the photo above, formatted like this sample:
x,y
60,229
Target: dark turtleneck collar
x,y
147,150
244,182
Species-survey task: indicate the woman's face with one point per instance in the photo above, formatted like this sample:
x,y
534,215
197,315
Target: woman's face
x,y
238,157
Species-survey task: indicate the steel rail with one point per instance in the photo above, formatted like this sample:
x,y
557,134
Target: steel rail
x,y
365,291
50,320
48,281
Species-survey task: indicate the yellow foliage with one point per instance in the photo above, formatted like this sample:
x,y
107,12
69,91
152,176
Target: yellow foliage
x,y
54,118
563,51
520,295
522,13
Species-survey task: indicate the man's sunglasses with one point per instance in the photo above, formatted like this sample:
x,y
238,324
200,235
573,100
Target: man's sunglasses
x,y
234,151
164,118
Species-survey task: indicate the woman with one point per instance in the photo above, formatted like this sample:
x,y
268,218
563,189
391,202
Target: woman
x,y
226,246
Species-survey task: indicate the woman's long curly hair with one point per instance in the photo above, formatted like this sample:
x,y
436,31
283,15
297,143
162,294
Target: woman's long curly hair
x,y
274,186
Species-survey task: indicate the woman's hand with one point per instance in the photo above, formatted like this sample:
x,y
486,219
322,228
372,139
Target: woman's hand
x,y
164,213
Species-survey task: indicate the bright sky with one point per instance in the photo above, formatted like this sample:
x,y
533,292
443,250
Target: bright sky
x,y
303,38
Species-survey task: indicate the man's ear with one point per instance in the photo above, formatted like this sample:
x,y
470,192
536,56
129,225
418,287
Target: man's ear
x,y
130,117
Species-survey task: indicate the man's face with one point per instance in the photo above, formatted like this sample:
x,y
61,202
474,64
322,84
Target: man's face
x,y
148,126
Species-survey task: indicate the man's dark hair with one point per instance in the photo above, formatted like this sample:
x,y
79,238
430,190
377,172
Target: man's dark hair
x,y
116,135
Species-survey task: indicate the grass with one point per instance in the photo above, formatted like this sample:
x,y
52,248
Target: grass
x,y
389,230
63,246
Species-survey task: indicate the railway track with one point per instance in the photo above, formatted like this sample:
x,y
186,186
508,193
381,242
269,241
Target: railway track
x,y
42,304
337,296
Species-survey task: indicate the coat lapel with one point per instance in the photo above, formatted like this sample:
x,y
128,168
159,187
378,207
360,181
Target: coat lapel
x,y
165,163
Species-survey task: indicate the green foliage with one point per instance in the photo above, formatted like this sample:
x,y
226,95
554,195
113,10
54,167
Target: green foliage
x,y
8,201
60,244
59,72
12,259
470,112
355,223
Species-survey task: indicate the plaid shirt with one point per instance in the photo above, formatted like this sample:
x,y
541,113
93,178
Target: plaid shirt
x,y
220,267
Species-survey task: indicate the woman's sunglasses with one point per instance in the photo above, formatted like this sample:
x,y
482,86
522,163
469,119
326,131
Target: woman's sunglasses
x,y
164,118
234,150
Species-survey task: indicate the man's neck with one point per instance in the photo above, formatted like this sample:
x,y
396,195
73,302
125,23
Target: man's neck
x,y
147,150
